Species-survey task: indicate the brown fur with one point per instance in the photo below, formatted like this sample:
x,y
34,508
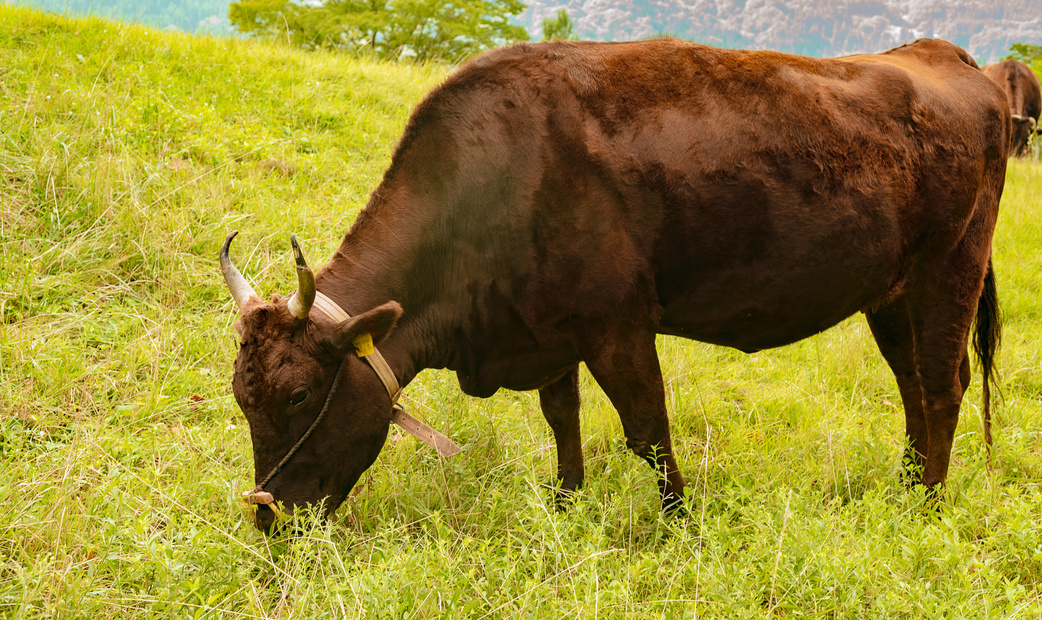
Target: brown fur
x,y
1024,97
565,202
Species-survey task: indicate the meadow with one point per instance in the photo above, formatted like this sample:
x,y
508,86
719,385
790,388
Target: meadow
x,y
126,155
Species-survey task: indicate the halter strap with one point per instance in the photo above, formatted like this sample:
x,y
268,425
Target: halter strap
x,y
419,430
258,495
375,359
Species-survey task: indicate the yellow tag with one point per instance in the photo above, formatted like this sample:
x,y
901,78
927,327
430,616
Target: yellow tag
x,y
363,345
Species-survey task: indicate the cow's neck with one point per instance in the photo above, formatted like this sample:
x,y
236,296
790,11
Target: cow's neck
x,y
389,255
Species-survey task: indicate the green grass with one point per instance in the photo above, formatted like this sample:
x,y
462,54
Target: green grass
x,y
125,157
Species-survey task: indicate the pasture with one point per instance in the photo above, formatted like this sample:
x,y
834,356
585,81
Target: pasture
x,y
126,155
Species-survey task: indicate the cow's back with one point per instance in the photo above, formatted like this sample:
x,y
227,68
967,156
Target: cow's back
x,y
737,197
1020,85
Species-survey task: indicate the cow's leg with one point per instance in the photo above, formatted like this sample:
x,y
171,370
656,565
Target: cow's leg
x,y
892,329
560,404
941,307
624,362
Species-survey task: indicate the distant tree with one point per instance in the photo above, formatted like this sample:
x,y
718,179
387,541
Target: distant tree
x,y
560,27
1027,54
447,29
1030,55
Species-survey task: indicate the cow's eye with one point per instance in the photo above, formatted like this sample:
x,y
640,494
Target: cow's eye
x,y
298,396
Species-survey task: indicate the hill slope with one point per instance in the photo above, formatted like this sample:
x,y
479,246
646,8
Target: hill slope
x,y
121,116
126,155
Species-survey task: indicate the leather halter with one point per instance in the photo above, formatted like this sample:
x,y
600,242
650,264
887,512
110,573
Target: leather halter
x,y
426,434
411,425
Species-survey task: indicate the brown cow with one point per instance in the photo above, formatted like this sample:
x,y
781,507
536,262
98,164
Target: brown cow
x,y
564,202
1024,98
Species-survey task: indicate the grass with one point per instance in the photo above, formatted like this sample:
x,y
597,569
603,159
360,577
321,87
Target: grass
x,y
125,157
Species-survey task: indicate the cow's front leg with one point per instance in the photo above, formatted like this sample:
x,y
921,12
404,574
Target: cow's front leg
x,y
624,362
560,404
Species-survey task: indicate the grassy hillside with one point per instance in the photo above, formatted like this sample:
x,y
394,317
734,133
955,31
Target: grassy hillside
x,y
125,157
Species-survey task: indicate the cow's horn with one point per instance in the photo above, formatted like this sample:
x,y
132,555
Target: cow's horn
x,y
300,303
237,284
1033,123
1017,117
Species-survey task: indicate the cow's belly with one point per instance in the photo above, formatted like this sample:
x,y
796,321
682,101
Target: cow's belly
x,y
774,303
521,368
756,264
753,324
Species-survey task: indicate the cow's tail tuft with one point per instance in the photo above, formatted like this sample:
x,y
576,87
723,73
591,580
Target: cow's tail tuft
x,y
987,336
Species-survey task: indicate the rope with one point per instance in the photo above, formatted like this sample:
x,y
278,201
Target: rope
x,y
311,429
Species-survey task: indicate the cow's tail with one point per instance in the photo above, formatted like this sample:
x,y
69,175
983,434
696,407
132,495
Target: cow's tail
x,y
987,335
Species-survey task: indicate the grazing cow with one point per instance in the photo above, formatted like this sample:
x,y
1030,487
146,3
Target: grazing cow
x,y
565,202
1024,98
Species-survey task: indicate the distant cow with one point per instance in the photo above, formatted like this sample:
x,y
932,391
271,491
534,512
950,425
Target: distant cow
x,y
564,202
1025,100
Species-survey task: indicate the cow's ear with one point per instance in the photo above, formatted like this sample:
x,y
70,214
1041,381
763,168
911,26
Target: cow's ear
x,y
377,322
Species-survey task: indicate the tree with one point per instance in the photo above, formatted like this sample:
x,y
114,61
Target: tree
x,y
1025,53
447,29
1030,55
560,27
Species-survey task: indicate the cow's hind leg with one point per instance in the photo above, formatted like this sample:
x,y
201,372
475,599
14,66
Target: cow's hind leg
x,y
624,362
892,329
560,404
941,306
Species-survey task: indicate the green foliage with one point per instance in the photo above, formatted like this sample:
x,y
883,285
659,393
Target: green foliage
x,y
560,27
425,29
198,16
1030,55
1025,53
125,158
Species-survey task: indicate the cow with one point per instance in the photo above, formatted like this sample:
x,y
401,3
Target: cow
x,y
566,202
1025,100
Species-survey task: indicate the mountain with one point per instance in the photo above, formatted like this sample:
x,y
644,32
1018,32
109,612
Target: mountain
x,y
986,28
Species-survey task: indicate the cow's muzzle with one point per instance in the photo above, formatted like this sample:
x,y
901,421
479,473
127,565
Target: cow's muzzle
x,y
264,510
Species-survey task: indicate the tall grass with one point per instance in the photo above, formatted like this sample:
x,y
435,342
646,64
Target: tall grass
x,y
125,157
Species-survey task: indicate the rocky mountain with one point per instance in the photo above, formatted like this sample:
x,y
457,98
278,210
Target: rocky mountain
x,y
985,28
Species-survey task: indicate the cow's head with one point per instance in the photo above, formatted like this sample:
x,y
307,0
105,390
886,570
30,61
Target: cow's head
x,y
288,360
1023,128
